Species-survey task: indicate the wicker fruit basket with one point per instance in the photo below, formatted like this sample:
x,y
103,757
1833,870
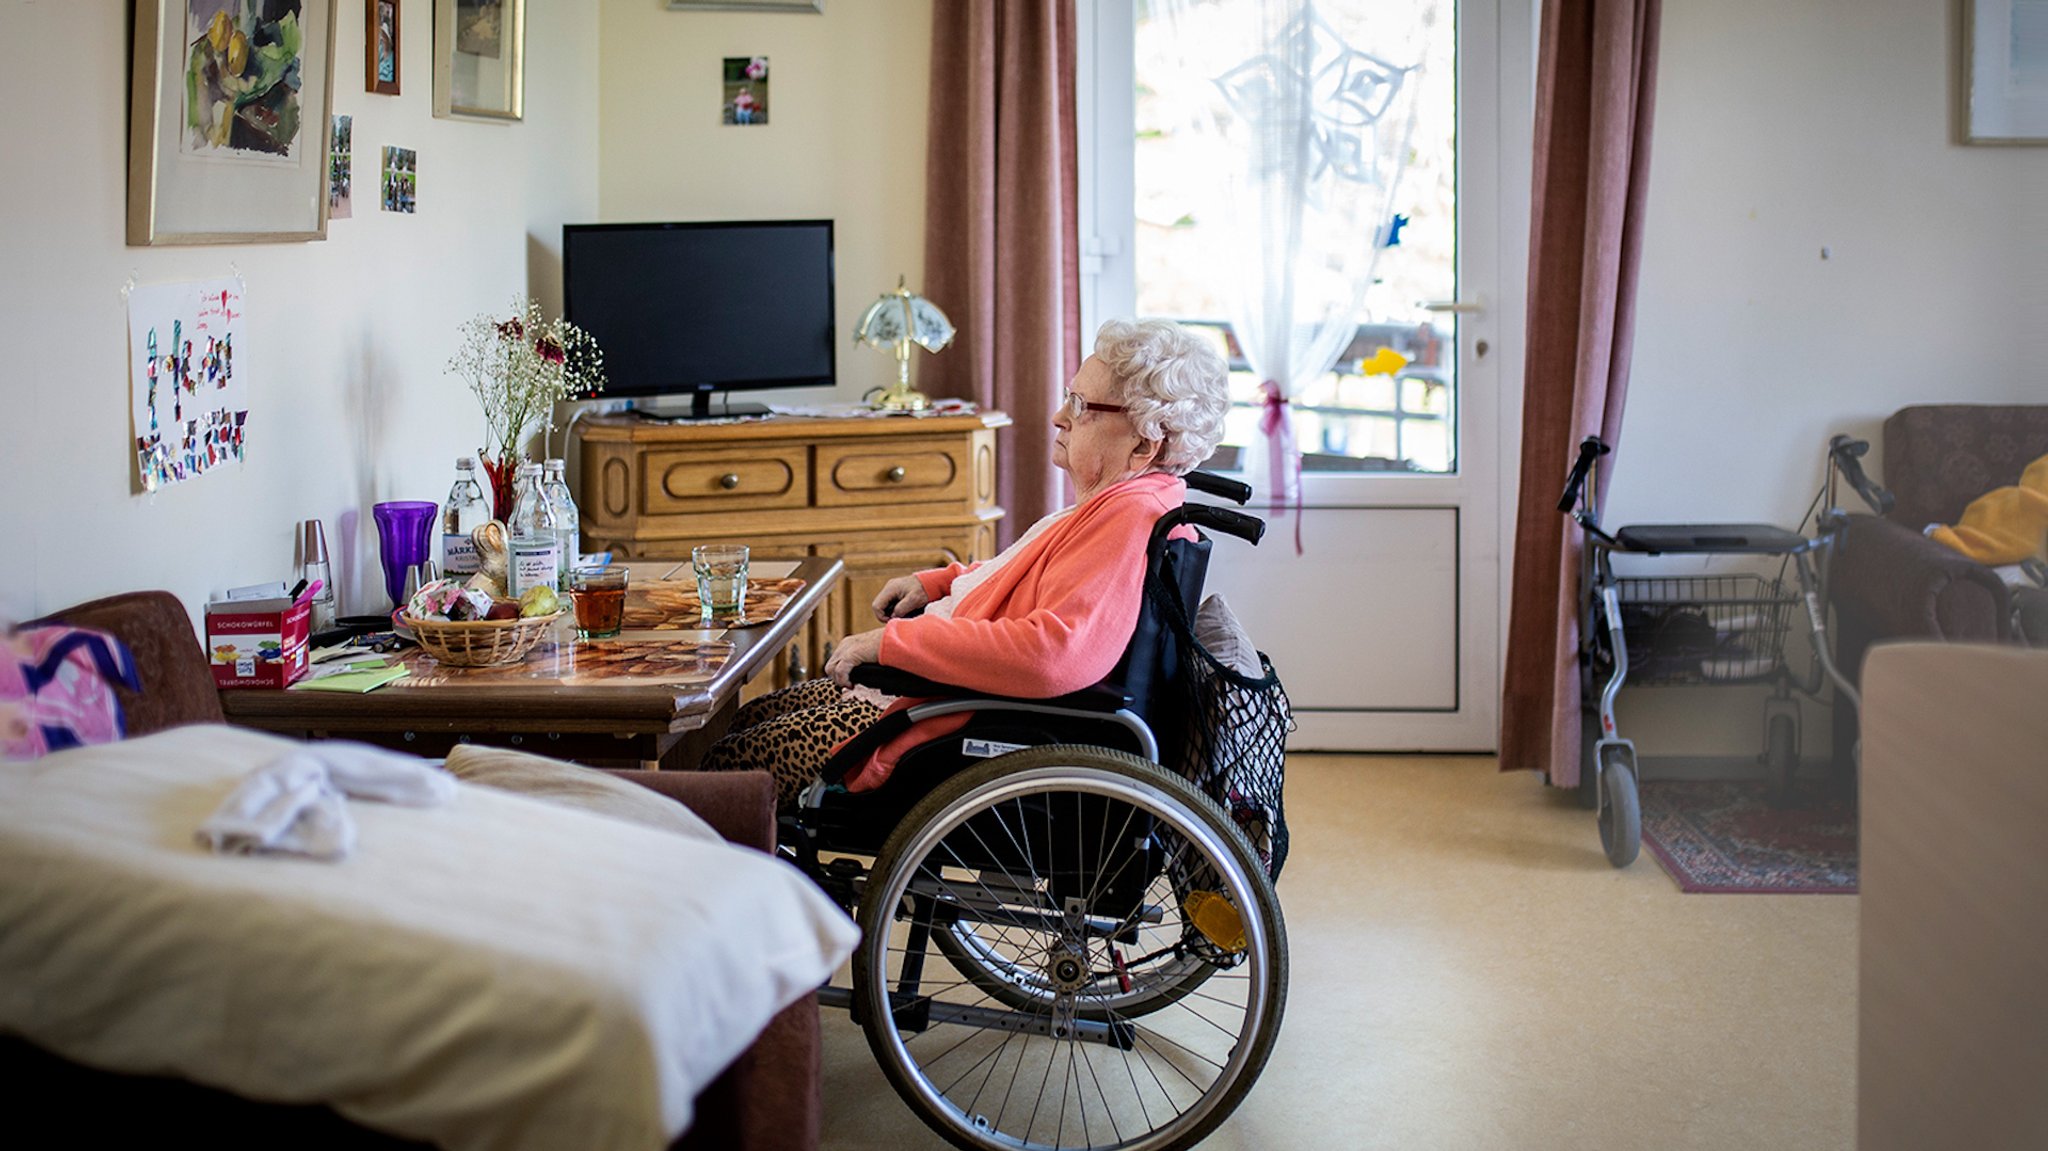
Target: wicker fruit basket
x,y
483,642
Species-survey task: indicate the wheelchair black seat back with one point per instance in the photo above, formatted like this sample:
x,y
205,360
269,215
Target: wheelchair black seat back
x,y
1066,943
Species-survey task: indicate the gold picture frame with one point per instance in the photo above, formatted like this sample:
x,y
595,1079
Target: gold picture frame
x,y
249,165
480,59
2004,98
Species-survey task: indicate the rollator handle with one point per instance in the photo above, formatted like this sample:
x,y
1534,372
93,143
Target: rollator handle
x,y
1847,455
1591,448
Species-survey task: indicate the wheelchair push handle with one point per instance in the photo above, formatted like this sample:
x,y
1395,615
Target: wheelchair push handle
x,y
1590,449
1847,455
1222,487
1244,527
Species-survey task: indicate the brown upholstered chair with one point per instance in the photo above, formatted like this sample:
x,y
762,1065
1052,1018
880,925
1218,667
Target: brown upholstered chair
x,y
1889,581
769,1099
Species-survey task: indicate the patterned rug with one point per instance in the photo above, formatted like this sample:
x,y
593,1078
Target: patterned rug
x,y
1724,837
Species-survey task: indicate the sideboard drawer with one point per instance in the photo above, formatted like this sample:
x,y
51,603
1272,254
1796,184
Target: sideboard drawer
x,y
725,479
892,472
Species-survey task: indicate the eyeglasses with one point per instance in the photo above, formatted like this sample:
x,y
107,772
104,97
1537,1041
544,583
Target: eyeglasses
x,y
1075,403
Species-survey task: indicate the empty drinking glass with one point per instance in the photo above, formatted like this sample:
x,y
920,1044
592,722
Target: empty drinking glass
x,y
721,580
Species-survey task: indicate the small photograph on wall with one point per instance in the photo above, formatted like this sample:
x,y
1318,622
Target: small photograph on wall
x,y
382,58
401,179
340,159
746,90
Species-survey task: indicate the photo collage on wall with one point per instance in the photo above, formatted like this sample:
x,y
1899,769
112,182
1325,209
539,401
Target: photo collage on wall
x,y
189,405
401,179
745,90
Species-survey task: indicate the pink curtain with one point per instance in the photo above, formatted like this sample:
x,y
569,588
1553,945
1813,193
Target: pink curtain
x,y
1002,248
1595,94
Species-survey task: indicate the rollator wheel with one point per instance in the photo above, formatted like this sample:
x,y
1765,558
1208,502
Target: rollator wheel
x,y
1132,930
1621,818
1781,758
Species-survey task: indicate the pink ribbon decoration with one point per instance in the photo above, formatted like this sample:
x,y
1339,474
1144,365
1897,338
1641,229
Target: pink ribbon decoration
x,y
1280,451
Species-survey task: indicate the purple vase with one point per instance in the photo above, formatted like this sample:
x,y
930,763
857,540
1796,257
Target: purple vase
x,y
405,536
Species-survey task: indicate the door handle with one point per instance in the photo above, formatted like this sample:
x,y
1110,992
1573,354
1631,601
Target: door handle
x,y
1456,307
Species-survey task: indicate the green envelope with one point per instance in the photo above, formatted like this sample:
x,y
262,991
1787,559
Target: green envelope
x,y
369,679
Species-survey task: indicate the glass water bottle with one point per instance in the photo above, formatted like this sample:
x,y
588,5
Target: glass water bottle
x,y
568,521
464,512
535,537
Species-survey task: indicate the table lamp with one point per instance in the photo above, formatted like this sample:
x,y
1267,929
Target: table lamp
x,y
894,323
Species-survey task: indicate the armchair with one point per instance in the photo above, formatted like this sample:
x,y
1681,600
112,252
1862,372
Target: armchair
x,y
1889,581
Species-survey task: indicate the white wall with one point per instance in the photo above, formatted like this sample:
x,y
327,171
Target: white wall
x,y
1783,129
845,138
346,339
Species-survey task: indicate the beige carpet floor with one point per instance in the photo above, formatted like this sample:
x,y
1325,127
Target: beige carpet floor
x,y
1468,972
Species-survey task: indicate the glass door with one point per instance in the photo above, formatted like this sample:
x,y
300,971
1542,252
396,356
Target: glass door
x,y
1385,626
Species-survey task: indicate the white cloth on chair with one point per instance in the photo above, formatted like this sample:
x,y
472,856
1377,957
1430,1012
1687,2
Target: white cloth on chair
x,y
294,805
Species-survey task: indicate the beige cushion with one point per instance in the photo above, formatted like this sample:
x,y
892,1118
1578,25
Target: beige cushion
x,y
571,786
1217,629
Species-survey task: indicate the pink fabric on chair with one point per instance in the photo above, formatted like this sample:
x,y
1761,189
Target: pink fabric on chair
x,y
57,689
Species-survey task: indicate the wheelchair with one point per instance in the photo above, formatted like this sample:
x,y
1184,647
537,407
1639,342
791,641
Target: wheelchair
x,y
1064,942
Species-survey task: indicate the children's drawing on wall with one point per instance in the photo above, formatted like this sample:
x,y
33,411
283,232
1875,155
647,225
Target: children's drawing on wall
x,y
401,178
242,77
189,404
340,158
746,90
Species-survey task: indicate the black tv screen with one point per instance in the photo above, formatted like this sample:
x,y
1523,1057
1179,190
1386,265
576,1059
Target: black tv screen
x,y
696,308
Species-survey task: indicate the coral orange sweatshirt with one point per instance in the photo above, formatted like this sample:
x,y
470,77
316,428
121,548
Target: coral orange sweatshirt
x,y
1054,619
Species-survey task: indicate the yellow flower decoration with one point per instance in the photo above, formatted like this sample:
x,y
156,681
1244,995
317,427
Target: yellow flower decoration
x,y
1384,362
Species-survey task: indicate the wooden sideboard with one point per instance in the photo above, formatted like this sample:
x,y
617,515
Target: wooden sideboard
x,y
886,496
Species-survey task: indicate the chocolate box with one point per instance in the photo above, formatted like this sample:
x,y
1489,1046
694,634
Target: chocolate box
x,y
257,642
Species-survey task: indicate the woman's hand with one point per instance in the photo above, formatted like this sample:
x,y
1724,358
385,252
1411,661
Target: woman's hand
x,y
851,652
900,597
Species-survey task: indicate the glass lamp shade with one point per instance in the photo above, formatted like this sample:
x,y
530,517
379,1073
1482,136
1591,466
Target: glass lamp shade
x,y
895,323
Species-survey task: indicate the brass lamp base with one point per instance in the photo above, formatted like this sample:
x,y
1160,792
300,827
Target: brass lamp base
x,y
901,400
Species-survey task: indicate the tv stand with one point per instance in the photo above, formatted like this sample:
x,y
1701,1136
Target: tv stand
x,y
700,409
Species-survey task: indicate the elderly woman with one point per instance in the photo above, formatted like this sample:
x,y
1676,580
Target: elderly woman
x,y
1053,612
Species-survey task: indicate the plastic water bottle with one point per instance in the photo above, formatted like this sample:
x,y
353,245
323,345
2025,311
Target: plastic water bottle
x,y
536,541
464,512
568,521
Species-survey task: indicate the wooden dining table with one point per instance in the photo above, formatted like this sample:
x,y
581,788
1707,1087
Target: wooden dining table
x,y
654,696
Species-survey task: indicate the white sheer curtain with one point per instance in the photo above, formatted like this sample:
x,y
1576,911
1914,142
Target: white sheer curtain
x,y
1308,132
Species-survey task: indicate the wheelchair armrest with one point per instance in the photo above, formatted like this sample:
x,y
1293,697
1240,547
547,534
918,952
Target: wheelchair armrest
x,y
1104,697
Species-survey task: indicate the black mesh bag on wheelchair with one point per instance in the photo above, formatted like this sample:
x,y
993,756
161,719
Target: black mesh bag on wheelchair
x,y
1231,733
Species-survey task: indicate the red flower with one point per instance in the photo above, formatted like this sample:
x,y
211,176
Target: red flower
x,y
550,349
512,329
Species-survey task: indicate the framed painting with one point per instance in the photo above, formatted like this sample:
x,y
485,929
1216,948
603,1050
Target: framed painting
x,y
747,5
380,47
2005,72
480,59
228,125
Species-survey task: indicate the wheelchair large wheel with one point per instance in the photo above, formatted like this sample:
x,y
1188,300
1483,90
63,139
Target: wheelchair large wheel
x,y
1056,857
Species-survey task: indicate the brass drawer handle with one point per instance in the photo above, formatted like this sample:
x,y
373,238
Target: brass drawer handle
x,y
729,481
895,475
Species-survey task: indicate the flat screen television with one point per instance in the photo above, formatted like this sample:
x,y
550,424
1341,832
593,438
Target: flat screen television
x,y
693,309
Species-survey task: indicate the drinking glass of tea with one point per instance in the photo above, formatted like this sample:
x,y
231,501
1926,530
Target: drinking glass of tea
x,y
600,595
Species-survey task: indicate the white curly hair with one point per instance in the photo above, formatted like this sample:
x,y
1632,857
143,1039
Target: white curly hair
x,y
1174,385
